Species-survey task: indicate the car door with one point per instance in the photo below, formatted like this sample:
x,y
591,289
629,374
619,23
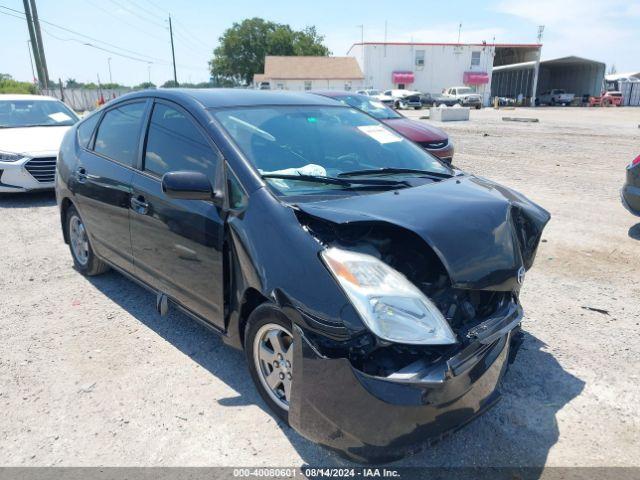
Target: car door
x,y
102,181
177,244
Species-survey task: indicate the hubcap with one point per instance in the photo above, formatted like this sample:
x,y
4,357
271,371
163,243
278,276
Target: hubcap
x,y
273,356
79,240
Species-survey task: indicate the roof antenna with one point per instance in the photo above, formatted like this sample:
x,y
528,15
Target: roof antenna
x,y
459,30
540,32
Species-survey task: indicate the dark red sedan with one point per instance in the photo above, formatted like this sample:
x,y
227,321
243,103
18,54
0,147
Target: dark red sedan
x,y
427,136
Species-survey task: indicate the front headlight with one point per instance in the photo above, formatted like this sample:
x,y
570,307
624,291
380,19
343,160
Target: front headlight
x,y
10,157
389,304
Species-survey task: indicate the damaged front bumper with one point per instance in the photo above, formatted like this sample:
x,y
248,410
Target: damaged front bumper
x,y
378,419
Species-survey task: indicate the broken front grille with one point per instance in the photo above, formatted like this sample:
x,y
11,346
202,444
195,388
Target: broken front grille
x,y
42,169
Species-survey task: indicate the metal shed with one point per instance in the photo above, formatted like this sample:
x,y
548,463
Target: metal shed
x,y
573,74
577,75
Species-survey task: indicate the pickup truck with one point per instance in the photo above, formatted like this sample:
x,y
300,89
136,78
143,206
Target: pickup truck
x,y
556,96
465,96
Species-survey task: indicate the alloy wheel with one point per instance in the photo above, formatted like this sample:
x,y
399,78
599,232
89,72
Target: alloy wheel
x,y
79,240
273,357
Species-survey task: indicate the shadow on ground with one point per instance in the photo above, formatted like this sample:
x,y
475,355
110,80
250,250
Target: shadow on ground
x,y
45,198
634,232
519,431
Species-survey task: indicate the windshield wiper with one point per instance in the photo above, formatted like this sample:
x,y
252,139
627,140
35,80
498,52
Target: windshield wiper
x,y
391,171
335,181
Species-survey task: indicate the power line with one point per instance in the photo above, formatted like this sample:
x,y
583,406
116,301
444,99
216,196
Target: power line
x,y
136,14
99,48
146,10
87,36
131,54
192,35
110,13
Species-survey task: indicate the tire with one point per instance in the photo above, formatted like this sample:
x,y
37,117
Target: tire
x,y
82,253
478,107
265,321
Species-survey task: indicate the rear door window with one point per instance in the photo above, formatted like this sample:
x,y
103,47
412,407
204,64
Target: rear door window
x,y
175,143
119,133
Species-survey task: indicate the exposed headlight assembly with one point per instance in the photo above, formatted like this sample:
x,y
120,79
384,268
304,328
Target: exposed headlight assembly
x,y
389,304
10,157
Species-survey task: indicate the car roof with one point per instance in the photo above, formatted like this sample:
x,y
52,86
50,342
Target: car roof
x,y
335,93
19,96
233,97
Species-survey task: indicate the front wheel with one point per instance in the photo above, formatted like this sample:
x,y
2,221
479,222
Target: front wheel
x,y
82,253
269,349
478,107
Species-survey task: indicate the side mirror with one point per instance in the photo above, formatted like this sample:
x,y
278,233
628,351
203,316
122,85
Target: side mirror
x,y
187,185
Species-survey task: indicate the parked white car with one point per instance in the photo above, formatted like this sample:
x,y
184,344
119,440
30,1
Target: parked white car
x,y
378,95
31,130
556,96
465,96
405,98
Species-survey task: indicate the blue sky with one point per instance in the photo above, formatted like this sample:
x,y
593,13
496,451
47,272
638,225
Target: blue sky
x,y
607,31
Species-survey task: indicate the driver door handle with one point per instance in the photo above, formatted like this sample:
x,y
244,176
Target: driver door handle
x,y
139,205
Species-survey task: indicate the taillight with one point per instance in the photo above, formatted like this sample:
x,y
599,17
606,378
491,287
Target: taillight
x,y
636,161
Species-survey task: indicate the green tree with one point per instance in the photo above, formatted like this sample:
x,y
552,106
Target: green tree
x,y
144,86
170,84
9,85
243,48
72,83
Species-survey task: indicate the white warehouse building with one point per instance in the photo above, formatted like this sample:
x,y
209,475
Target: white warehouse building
x,y
432,67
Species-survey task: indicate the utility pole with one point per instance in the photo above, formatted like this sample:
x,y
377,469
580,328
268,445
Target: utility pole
x,y
362,50
36,26
34,43
149,71
173,53
536,70
109,62
459,31
33,73
385,38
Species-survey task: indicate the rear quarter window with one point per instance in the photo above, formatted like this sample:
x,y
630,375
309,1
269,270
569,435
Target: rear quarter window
x,y
118,135
85,130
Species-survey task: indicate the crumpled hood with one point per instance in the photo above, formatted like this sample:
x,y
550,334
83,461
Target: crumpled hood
x,y
416,131
482,232
32,140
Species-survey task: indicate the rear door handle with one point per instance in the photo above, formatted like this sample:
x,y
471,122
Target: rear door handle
x,y
139,205
81,174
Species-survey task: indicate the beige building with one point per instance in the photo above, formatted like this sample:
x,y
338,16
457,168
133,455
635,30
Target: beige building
x,y
309,73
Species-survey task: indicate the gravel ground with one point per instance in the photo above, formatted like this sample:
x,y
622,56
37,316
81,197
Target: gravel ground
x,y
91,375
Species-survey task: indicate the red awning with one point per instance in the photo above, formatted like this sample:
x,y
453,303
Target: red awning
x,y
475,78
402,77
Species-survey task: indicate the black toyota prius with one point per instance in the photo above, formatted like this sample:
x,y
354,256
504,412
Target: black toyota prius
x,y
373,288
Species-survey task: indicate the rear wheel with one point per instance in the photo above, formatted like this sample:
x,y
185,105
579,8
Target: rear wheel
x,y
83,257
269,349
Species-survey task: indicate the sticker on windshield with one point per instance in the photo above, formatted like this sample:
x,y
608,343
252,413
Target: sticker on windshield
x,y
380,134
59,117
